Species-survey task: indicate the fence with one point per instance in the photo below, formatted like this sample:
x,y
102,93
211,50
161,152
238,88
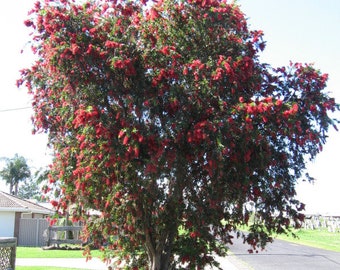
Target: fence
x,y
69,235
7,253
38,233
33,232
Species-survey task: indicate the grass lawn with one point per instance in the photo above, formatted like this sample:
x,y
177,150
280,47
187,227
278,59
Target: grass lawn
x,y
42,268
36,252
315,238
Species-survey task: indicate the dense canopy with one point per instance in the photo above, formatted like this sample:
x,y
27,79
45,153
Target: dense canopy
x,y
162,117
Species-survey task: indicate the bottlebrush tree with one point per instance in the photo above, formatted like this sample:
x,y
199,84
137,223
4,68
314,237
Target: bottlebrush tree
x,y
162,117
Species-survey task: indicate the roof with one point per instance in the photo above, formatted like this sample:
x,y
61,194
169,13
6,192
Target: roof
x,y
9,203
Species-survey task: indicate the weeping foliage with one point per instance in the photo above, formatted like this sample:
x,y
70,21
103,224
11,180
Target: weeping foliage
x,y
162,118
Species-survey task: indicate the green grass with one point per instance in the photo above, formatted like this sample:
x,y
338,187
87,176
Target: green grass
x,y
36,252
315,238
42,268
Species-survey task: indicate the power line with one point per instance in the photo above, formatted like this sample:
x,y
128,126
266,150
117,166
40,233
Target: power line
x,y
14,109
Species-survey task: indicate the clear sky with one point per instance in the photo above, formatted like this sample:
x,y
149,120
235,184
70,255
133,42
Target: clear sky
x,y
306,31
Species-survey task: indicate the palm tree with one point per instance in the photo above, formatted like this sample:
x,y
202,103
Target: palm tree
x,y
15,171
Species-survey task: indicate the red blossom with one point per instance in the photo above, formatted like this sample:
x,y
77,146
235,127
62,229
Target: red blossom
x,y
126,140
28,23
153,14
165,50
75,48
119,64
112,44
54,203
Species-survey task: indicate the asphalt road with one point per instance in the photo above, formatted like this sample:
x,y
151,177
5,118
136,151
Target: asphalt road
x,y
282,255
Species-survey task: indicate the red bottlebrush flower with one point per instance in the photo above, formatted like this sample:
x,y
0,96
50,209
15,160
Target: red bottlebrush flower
x,y
93,30
295,108
118,195
54,203
81,138
218,75
227,67
75,49
28,23
153,14
121,133
136,151
257,192
312,108
119,64
185,71
165,50
126,140
279,102
112,44
324,77
247,156
89,49
195,234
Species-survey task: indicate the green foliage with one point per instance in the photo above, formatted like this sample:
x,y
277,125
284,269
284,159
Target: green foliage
x,y
29,190
15,171
32,188
162,117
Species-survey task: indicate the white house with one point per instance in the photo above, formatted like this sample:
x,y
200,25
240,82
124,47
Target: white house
x,y
12,209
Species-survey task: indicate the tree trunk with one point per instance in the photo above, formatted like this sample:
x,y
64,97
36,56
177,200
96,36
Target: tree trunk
x,y
160,254
11,188
156,262
16,189
160,248
160,261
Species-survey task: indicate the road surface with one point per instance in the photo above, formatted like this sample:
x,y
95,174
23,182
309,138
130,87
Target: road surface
x,y
282,255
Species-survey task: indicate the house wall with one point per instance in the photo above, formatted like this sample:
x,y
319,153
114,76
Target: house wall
x,y
27,215
33,215
7,223
17,224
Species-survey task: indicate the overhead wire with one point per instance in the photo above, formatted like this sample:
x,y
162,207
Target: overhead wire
x,y
14,109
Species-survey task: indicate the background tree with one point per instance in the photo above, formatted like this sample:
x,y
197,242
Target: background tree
x,y
162,117
15,171
33,187
29,189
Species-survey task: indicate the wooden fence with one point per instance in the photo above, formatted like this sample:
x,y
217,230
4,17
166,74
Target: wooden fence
x,y
64,235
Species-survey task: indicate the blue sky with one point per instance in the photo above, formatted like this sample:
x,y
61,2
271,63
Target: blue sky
x,y
306,31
